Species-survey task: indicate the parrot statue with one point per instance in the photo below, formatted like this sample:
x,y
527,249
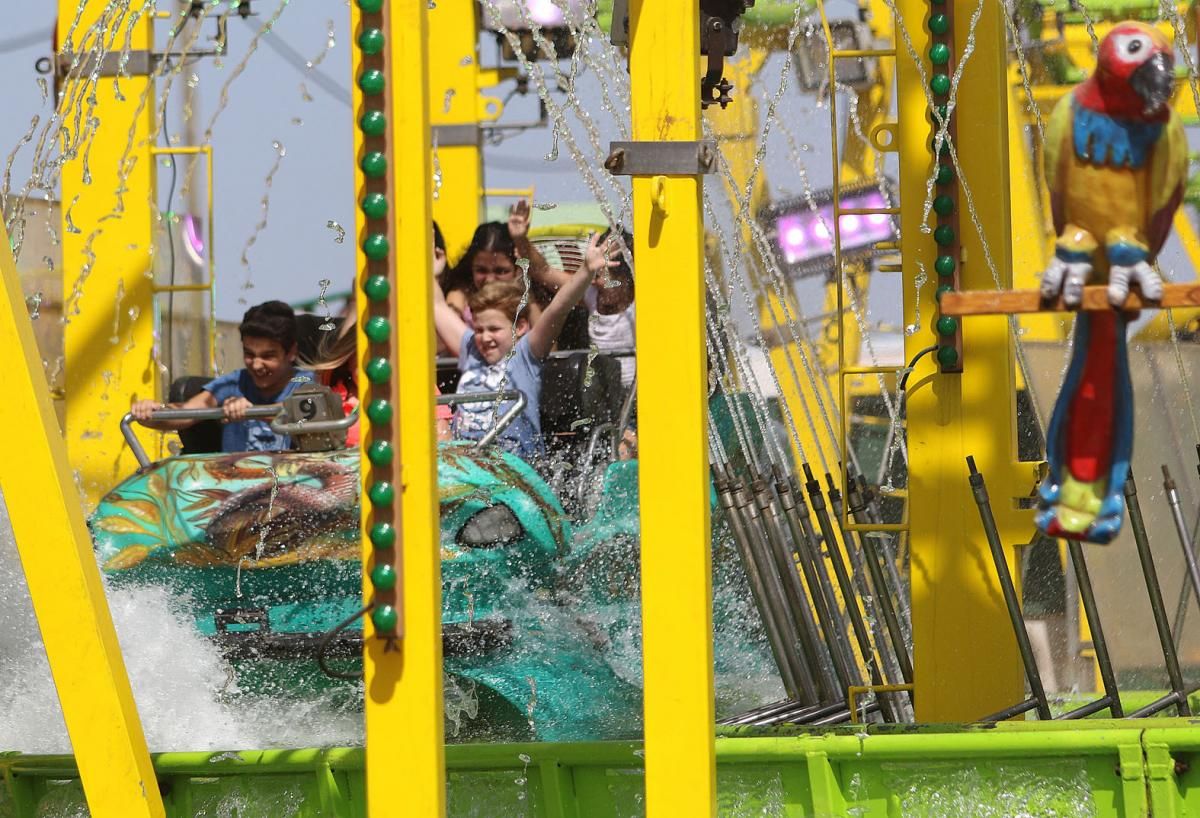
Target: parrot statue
x,y
1116,161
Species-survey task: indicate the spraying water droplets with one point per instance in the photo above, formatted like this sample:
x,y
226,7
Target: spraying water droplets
x,y
339,232
330,43
323,305
70,222
34,303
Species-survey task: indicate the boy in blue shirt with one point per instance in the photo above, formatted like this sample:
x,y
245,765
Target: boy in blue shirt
x,y
504,351
269,352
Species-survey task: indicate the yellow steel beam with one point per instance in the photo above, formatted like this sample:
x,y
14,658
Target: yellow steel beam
x,y
405,768
64,582
672,384
966,662
456,109
107,251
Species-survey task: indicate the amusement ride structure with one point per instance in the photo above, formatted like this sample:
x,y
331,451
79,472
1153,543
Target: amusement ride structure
x,y
823,518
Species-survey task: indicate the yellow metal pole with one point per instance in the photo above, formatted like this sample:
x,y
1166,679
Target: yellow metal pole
x,y
64,582
107,251
405,768
966,662
672,384
454,105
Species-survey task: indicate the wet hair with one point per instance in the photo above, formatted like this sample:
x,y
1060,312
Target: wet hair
x,y
439,241
273,320
498,295
489,237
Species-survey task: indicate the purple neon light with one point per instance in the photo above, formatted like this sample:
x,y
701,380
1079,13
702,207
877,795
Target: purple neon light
x,y
807,235
192,235
544,13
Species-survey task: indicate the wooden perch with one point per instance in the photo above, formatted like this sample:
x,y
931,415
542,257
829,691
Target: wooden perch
x,y
1095,299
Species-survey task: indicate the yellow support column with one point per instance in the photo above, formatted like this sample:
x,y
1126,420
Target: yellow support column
x,y
672,384
64,582
454,103
405,768
966,662
107,251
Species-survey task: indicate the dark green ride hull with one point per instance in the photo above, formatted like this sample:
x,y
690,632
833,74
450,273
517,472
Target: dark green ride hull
x,y
262,551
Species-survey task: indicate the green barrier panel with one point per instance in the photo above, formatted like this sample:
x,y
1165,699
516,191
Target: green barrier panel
x,y
1065,770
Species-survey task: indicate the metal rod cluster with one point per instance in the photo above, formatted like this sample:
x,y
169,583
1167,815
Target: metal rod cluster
x,y
820,633
1111,698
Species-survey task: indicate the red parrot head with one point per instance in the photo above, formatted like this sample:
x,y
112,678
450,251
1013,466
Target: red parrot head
x,y
1135,72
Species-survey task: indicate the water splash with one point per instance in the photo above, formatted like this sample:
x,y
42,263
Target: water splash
x,y
34,303
70,222
339,232
265,210
330,43
327,324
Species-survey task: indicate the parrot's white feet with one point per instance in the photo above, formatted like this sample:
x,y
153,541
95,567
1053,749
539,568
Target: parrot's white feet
x,y
1141,274
1067,278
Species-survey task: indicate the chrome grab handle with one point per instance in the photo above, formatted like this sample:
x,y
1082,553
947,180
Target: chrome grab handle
x,y
503,422
135,445
315,426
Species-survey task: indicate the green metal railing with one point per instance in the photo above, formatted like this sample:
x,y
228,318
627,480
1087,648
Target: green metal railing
x,y
1086,768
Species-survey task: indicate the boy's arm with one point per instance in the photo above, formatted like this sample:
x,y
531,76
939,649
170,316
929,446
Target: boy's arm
x,y
143,409
447,323
545,331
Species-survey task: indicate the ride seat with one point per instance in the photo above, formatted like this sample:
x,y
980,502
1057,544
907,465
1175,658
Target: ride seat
x,y
571,402
205,436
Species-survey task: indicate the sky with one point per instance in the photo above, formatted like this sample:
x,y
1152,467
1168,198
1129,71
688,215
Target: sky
x,y
313,185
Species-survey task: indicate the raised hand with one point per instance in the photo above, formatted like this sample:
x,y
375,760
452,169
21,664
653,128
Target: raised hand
x,y
600,256
518,220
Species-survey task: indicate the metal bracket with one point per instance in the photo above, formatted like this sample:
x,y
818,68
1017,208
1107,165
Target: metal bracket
x,y
668,158
138,63
620,23
448,136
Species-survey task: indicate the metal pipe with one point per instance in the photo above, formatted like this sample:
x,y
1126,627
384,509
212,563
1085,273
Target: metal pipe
x,y
776,595
1108,676
785,564
1086,710
758,590
886,542
1008,589
1009,712
314,426
1161,703
824,603
883,594
503,422
1189,553
1154,592
889,664
817,503
135,445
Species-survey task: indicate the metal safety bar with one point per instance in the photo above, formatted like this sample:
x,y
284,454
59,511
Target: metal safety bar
x,y
253,413
270,411
502,423
623,352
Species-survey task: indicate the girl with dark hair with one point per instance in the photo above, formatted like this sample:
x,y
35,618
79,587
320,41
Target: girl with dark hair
x,y
492,256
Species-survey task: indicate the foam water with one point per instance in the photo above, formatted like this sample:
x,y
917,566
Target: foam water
x,y
183,686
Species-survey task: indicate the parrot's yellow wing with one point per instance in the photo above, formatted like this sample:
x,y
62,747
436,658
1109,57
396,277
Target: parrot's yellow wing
x,y
1055,148
1168,177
